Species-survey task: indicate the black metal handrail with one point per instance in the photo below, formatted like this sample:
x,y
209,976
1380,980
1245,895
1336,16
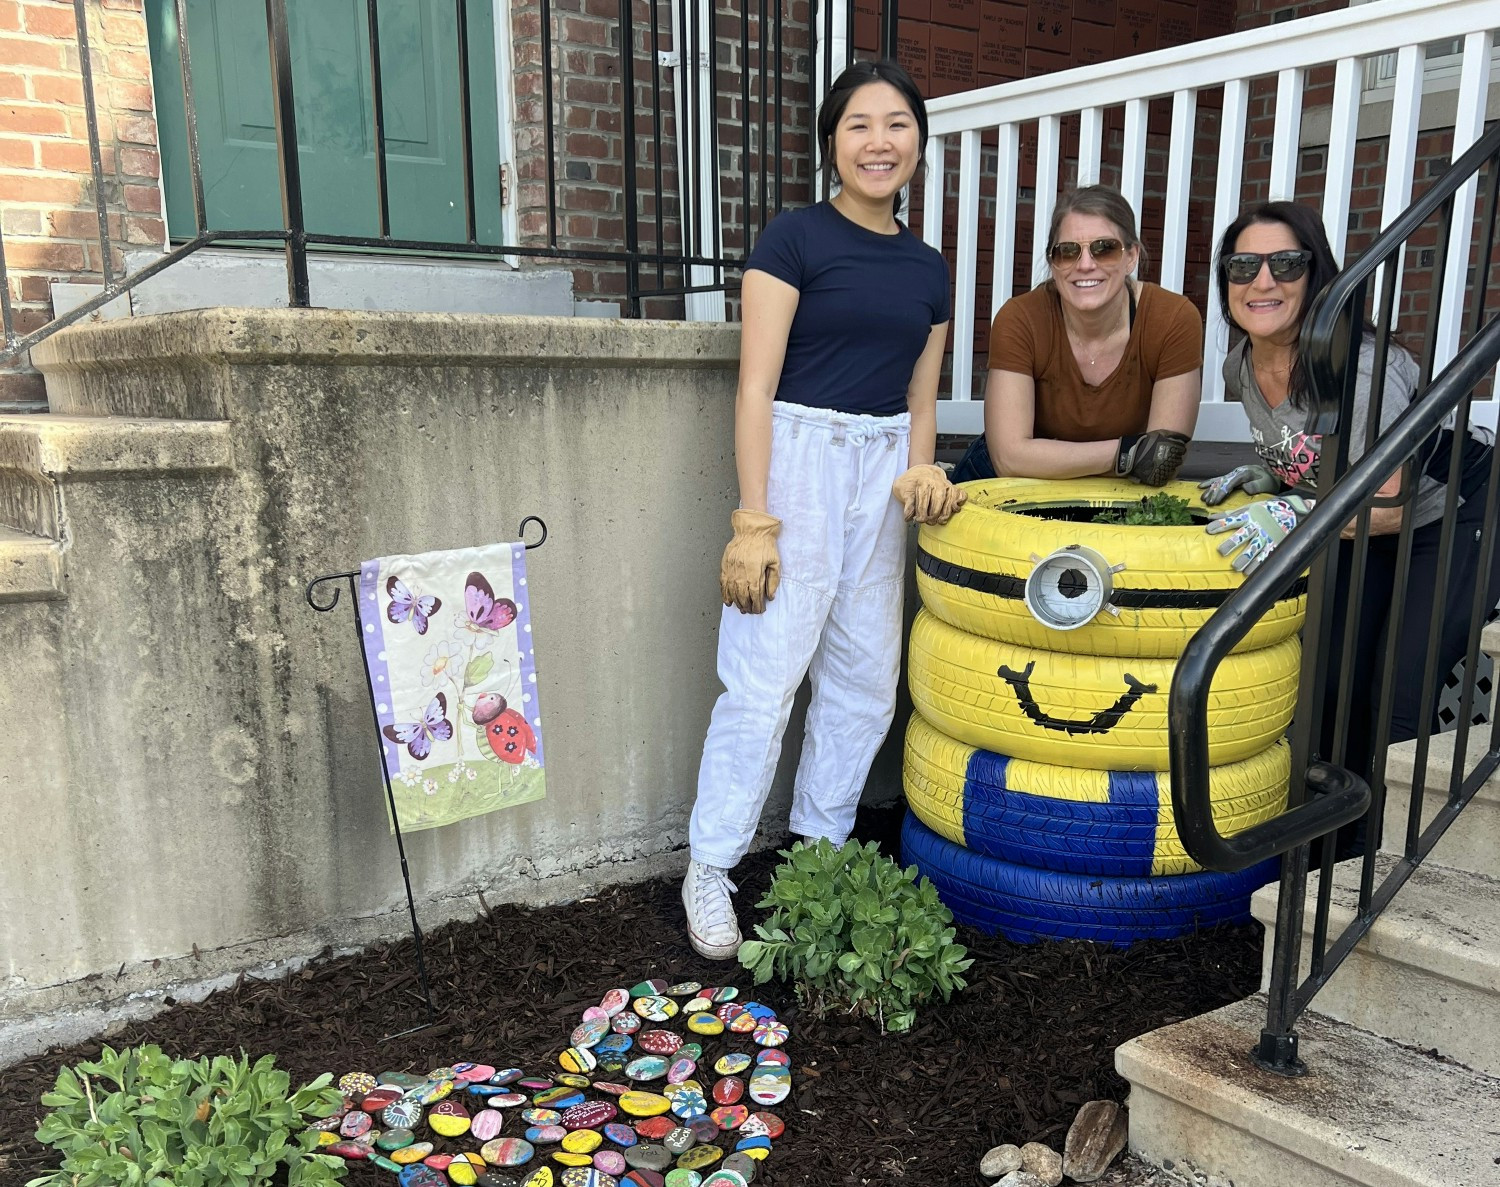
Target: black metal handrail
x,y
1324,795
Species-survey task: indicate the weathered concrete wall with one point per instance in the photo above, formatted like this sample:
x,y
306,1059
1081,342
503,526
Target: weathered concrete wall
x,y
188,772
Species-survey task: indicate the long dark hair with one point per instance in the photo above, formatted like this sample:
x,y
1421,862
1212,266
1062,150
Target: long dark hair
x,y
1307,229
836,102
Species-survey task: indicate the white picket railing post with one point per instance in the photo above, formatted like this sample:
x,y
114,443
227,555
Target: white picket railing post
x,y
1343,137
1473,85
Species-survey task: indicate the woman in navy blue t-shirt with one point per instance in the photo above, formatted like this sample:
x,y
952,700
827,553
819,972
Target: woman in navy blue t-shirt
x,y
845,319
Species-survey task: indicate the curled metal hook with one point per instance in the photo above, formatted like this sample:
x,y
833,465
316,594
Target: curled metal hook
x,y
333,599
540,522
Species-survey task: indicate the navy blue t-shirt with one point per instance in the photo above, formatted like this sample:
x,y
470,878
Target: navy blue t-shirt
x,y
867,307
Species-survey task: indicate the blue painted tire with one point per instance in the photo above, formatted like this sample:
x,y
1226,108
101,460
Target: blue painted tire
x,y
1027,905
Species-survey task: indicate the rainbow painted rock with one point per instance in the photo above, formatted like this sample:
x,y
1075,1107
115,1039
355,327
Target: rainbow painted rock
x,y
589,1115
486,1124
770,1085
644,1104
541,1116
582,1141
561,1097
507,1152
699,1157
771,1032
433,1091
743,1024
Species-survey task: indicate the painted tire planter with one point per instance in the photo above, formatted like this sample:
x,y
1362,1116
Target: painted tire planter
x,y
1026,904
1101,712
1117,823
1162,583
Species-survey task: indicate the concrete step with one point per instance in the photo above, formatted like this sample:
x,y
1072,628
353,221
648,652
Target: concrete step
x,y
1473,842
1428,971
1369,1112
31,567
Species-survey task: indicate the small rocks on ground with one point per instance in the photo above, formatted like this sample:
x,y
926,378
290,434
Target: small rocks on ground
x,y
1043,1162
1000,1160
1020,1179
1097,1135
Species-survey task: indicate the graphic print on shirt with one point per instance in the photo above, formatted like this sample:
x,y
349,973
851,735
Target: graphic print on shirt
x,y
1293,457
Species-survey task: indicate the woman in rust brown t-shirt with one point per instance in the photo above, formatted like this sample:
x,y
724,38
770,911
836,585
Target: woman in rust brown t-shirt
x,y
1093,371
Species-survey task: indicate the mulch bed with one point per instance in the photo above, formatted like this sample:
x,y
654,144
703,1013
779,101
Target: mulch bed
x,y
1010,1059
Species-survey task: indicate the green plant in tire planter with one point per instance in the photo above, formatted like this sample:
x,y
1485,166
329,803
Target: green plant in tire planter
x,y
857,933
1158,510
139,1118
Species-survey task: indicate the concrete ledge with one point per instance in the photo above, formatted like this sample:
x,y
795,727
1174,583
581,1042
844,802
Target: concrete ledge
x,y
90,447
1472,842
1368,1112
30,567
1428,972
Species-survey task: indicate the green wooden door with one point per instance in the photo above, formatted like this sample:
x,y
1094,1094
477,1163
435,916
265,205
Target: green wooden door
x,y
227,42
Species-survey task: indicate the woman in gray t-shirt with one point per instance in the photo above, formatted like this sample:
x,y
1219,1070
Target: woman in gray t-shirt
x,y
1270,263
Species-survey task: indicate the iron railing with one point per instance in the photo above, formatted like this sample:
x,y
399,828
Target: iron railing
x,y
675,72
1327,795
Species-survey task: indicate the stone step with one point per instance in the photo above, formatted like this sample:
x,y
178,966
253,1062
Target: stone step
x,y
31,567
1428,971
1471,843
1369,1111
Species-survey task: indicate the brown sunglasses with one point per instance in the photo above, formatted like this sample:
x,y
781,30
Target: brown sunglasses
x,y
1102,250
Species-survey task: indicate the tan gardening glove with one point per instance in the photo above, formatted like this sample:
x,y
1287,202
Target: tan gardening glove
x,y
751,568
926,495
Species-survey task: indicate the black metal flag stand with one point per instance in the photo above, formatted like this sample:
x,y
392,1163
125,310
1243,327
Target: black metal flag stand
x,y
351,579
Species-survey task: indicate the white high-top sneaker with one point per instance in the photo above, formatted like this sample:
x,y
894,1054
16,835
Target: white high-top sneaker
x,y
713,930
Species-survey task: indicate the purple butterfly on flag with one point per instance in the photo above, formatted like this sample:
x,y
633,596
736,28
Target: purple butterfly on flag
x,y
405,605
418,736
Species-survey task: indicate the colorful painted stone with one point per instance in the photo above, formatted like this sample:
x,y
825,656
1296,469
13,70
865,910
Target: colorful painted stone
x,y
472,1073
649,1156
705,1024
573,1080
385,1163
541,1116
641,1177
771,1032
644,1104
507,1100
756,1145
545,1135
496,1179
582,1176
595,1026
589,1115
659,1042
571,1158
654,1008
533,1084
728,1117
611,1065
394,1139
326,1138
704,1130
448,1118
744,1024
613,1044
466,1169
583,1141
355,1124
614,1001
753,1127
693,1051
541,1177
647,1067
699,1157
379,1098
561,1097
485,1091
728,1012
400,1079
732,1064
356,1084
611,1162
620,1133
698,1005
680,1140
682,1070
724,993
577,1059
506,1076
683,989
723,1178
671,1090
653,1129
438,1162
729,1090
774,1057
331,1122
486,1124
353,1151
507,1152
432,1092
760,1010
625,1023
652,988
412,1152
770,1085
742,1164
421,1176
689,1102
612,1089
682,1177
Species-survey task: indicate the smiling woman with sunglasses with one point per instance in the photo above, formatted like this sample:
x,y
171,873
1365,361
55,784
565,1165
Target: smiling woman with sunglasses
x,y
1093,371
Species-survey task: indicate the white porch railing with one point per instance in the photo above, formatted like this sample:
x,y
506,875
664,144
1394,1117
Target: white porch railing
x,y
1342,40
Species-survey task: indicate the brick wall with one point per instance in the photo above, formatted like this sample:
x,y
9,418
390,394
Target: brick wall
x,y
46,186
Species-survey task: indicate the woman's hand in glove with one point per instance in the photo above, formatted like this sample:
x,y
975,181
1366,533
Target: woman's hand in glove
x,y
1258,528
751,569
1253,480
1151,458
926,495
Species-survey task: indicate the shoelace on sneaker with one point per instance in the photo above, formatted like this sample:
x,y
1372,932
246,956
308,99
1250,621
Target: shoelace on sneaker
x,y
711,891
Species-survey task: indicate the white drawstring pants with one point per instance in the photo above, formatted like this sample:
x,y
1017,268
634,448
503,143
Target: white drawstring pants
x,y
837,615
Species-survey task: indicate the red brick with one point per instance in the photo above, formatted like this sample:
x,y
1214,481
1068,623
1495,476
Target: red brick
x,y
17,152
131,96
57,88
10,16
145,229
22,222
32,120
134,129
143,198
44,254
140,162
124,29
133,64
68,156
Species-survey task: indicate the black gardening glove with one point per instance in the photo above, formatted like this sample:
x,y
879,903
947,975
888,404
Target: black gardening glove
x,y
1151,458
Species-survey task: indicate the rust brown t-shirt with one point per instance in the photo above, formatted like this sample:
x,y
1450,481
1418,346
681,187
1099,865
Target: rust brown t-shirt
x,y
1028,337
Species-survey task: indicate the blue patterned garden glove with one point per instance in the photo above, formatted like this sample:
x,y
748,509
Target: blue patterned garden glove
x,y
1253,480
1257,529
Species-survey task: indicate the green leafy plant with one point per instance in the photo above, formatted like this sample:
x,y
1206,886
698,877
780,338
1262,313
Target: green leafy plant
x,y
139,1118
1158,510
856,933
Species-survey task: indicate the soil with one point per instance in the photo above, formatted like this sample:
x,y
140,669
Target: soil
x,y
1009,1059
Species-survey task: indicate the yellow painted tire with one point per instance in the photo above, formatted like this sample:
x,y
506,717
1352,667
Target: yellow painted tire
x,y
971,571
1115,823
1101,712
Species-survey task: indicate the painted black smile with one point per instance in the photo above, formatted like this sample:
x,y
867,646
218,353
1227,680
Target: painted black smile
x,y
1099,723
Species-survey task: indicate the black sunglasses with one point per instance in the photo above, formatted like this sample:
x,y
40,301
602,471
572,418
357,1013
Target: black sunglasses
x,y
1102,250
1244,266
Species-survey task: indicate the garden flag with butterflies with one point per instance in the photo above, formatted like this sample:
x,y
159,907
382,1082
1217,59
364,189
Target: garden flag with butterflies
x,y
448,647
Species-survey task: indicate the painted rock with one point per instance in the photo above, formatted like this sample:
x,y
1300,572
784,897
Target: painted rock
x,y
619,1133
680,1140
496,1179
381,1097
438,1162
507,1100
355,1124
655,1128
689,1103
705,1024
331,1122
541,1177
625,1023
614,1001
728,1117
732,1064
448,1118
395,1139
447,1072
659,1042
582,1141
400,1079
595,1026
683,989
432,1092
774,1057
577,1059
753,1127
611,1064
741,1164
770,1085
356,1084
573,1080
753,1146
743,1024
485,1091
421,1176
724,1178
533,1084
697,1005
644,1104
486,1124
653,988
473,1073
611,1162
699,1157
507,1076
545,1135
641,1177
649,1156
611,1089
326,1138
683,1178
681,1070
722,993
693,1051
729,1090
571,1157
466,1169
728,1012
584,1176
561,1097
671,1090
589,1115
350,1150
507,1152
775,1126
613,1044
647,1067
704,1130
771,1032
654,1008
385,1163
411,1152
